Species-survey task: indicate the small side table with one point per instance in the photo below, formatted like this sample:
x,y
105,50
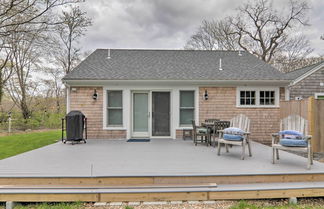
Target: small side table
x,y
186,133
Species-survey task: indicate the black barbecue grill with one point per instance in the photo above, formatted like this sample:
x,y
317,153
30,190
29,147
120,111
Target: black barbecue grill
x,y
75,126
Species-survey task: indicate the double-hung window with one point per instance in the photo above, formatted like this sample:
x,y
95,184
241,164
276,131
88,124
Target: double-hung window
x,y
257,97
267,97
247,97
114,108
187,107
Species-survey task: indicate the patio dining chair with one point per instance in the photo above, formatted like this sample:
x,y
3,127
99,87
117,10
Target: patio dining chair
x,y
201,132
237,134
218,126
293,137
211,120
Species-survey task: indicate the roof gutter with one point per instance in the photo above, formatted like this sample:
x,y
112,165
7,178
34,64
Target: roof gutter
x,y
178,82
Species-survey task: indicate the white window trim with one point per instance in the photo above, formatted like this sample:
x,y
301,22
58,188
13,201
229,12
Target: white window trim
x,y
194,108
105,111
316,95
257,96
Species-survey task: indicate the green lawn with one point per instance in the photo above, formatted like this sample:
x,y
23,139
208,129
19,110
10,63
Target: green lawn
x,y
50,206
19,143
305,203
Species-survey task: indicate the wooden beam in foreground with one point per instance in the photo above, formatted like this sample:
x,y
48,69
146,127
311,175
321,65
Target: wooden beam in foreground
x,y
131,181
164,196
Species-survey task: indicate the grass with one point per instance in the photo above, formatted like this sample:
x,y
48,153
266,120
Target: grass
x,y
262,205
19,143
50,206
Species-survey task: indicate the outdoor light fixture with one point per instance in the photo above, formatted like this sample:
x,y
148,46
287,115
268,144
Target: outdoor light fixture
x,y
95,95
206,95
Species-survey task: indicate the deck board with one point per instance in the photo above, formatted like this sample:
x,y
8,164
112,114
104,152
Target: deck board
x,y
160,157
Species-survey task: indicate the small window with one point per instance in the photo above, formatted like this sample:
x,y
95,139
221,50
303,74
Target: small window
x,y
267,98
257,97
319,96
187,107
247,97
114,108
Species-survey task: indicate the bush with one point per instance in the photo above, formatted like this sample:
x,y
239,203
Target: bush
x,y
38,120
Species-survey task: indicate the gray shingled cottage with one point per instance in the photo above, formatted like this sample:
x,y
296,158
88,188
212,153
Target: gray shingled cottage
x,y
156,93
307,81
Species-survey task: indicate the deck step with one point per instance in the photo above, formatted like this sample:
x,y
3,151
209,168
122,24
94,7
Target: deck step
x,y
148,186
164,193
159,180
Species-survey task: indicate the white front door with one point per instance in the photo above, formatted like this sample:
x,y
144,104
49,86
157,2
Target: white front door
x,y
140,114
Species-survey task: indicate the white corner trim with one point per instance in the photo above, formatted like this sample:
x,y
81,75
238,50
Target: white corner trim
x,y
257,90
68,100
305,75
287,94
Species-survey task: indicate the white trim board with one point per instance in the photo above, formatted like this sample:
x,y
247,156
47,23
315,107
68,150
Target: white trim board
x,y
257,96
174,102
201,83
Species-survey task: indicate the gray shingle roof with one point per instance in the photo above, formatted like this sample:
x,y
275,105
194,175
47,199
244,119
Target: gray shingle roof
x,y
134,64
301,71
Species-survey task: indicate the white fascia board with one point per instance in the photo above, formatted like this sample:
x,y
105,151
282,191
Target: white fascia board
x,y
202,83
308,73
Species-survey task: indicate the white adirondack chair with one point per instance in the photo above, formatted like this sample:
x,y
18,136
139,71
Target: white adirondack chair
x,y
242,122
296,123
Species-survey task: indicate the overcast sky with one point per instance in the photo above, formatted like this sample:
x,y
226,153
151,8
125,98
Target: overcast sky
x,y
168,24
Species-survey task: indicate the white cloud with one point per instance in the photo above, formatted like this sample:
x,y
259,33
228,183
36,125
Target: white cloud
x,y
167,23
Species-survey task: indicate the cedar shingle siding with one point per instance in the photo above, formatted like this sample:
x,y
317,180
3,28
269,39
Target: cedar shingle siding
x,y
308,86
222,104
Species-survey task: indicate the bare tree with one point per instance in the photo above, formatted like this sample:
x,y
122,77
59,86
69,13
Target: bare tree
x,y
262,31
259,29
73,25
54,86
213,35
26,52
6,71
14,13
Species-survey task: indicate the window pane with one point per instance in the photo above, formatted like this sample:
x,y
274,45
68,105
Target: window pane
x,y
115,117
247,97
186,116
114,99
187,99
267,98
272,101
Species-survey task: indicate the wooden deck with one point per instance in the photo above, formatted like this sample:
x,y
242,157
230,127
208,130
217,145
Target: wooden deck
x,y
162,169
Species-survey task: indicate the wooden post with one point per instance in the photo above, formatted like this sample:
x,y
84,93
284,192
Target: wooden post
x,y
311,122
9,125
